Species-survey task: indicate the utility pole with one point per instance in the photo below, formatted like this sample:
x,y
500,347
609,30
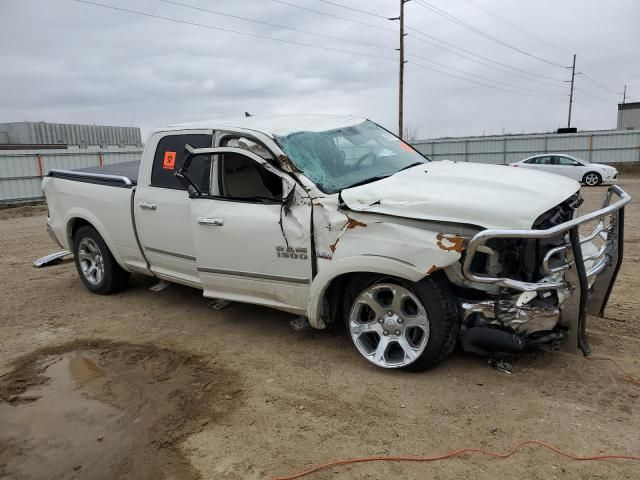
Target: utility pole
x,y
401,79
573,74
401,70
624,95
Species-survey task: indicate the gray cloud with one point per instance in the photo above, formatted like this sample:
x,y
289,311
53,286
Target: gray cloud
x,y
69,62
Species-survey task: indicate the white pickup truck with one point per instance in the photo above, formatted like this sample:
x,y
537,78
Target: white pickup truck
x,y
336,219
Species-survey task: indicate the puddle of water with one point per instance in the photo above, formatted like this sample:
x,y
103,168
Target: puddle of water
x,y
62,432
102,410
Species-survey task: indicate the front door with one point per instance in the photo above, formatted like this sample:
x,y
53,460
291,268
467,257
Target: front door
x,y
568,167
252,233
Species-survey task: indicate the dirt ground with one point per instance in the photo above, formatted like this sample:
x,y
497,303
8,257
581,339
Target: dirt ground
x,y
160,385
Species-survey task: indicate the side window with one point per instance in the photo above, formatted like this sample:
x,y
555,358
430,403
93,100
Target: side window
x,y
170,155
544,161
241,177
532,161
567,161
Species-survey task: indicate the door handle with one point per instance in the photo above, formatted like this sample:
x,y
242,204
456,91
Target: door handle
x,y
147,206
212,222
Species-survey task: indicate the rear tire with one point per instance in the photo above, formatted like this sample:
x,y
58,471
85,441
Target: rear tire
x,y
95,264
398,324
592,179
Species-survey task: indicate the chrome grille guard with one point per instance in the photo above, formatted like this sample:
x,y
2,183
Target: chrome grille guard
x,y
590,288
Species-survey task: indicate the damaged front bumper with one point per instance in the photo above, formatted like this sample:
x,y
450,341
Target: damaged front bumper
x,y
579,275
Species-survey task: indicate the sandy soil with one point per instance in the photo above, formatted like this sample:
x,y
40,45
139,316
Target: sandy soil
x,y
281,400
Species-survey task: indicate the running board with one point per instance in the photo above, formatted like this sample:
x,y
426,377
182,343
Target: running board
x,y
51,258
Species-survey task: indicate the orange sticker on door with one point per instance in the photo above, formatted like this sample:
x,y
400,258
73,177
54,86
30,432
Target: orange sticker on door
x,y
169,162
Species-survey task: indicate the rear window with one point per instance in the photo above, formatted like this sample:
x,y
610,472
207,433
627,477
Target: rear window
x,y
170,155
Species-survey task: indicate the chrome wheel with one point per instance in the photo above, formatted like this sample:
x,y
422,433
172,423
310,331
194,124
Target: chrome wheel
x,y
592,179
91,261
389,325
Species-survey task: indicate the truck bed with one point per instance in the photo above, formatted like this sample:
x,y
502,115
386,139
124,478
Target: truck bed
x,y
126,169
118,174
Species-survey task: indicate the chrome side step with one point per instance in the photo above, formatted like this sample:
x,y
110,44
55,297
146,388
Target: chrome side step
x,y
51,258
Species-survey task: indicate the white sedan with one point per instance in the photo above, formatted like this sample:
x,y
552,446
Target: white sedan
x,y
590,174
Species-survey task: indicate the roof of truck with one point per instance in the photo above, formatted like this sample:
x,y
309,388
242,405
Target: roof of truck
x,y
275,125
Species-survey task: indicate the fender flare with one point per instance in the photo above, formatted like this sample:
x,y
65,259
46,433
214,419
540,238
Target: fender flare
x,y
80,213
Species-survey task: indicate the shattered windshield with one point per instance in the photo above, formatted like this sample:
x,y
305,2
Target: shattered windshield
x,y
348,156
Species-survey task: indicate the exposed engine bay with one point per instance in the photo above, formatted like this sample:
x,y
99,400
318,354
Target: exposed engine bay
x,y
503,320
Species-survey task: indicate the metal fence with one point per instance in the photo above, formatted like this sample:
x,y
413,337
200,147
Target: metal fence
x,y
603,146
21,171
42,133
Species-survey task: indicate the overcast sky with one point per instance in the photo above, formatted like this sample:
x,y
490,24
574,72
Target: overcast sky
x,y
64,61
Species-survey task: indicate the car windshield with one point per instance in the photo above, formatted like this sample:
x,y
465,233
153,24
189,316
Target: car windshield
x,y
348,156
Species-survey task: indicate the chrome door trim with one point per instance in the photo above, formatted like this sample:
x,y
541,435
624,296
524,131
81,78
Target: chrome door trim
x,y
260,276
170,254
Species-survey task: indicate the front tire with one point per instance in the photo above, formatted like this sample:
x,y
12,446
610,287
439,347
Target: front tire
x,y
592,179
405,325
96,266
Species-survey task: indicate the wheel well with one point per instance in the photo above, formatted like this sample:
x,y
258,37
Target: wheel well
x,y
590,172
334,298
74,226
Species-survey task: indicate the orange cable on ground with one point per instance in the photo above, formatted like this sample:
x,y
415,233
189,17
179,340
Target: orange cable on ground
x,y
628,376
456,453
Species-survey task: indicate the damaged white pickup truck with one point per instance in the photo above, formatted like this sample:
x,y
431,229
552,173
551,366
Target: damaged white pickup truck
x,y
338,220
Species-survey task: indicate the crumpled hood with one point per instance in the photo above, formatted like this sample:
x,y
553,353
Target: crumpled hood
x,y
489,196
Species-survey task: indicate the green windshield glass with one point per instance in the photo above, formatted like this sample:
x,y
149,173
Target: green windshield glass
x,y
348,156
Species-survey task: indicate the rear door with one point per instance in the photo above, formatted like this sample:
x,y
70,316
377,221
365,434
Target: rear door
x,y
568,167
252,233
162,207
543,163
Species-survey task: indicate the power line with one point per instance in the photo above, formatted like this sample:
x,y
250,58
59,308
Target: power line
x,y
450,17
303,44
594,96
482,57
481,83
228,30
487,78
453,46
354,9
488,36
593,107
193,7
335,16
518,28
415,30
597,84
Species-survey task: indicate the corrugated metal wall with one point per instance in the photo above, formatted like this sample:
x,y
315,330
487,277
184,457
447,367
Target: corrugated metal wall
x,y
21,171
629,116
604,146
69,134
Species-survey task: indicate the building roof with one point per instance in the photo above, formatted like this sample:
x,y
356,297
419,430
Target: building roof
x,y
629,106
